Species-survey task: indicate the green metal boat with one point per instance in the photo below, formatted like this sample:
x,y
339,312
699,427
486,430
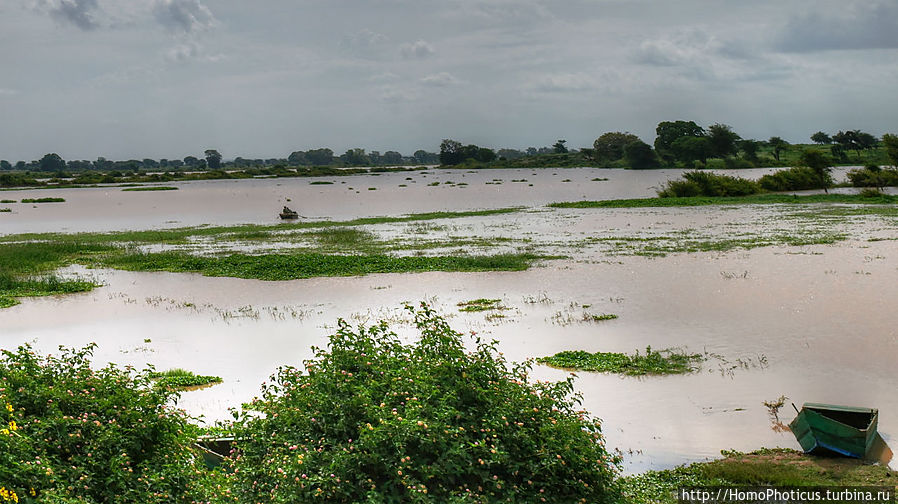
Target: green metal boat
x,y
832,429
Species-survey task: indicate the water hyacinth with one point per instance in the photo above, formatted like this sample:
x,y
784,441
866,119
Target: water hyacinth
x,y
371,419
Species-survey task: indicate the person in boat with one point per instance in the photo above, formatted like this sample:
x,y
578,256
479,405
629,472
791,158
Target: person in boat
x,y
288,211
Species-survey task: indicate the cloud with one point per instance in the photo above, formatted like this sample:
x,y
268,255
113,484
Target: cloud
x,y
419,49
442,79
185,16
8,92
396,94
859,25
363,40
81,13
564,83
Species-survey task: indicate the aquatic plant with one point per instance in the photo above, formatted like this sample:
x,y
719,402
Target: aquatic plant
x,y
653,362
478,305
151,188
180,379
43,200
371,419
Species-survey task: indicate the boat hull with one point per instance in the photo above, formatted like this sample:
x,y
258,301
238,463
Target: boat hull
x,y
827,429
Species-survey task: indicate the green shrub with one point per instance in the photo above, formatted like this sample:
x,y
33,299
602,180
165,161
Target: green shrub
x,y
84,435
702,183
180,379
873,176
372,419
798,178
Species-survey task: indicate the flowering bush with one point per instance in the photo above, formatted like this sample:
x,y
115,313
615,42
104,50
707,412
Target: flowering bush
x,y
73,434
374,420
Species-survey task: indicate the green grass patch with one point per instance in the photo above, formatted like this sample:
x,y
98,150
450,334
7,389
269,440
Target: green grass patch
x,y
653,362
43,200
5,209
7,201
151,188
780,467
321,182
479,305
181,379
309,265
758,199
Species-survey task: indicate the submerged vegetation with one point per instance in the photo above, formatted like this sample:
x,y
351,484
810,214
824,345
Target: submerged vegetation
x,y
182,379
43,200
758,199
478,305
151,188
653,362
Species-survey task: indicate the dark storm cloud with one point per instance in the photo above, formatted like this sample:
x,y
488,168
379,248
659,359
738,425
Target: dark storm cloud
x,y
80,13
860,25
183,15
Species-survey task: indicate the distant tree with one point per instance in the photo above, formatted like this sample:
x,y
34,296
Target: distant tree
x,y
669,132
175,163
890,142
640,155
450,152
852,140
866,141
4,165
355,157
149,163
821,138
485,155
688,149
297,158
320,157
532,151
610,146
820,164
213,159
424,157
750,149
201,164
559,147
778,145
723,140
20,165
392,158
376,158
191,161
52,162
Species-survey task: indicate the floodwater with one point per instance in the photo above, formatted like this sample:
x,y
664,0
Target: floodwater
x,y
225,202
815,323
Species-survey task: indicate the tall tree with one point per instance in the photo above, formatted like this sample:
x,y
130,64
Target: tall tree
x,y
4,165
688,149
640,155
723,140
213,159
890,142
821,138
52,162
750,149
320,157
559,147
450,152
355,157
669,132
191,161
778,145
820,164
392,158
610,146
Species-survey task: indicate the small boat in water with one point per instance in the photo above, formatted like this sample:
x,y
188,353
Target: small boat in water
x,y
829,429
287,213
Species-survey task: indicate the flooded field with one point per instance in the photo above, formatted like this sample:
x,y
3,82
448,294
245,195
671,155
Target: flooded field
x,y
791,300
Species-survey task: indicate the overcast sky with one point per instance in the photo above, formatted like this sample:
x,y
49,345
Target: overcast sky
x,y
170,78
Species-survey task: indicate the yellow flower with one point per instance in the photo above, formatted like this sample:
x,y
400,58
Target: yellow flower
x,y
13,426
9,407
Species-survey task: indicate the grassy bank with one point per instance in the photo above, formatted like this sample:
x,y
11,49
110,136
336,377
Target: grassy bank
x,y
758,199
774,467
151,188
182,379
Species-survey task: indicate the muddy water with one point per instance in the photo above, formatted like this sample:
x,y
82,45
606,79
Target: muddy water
x,y
813,323
226,202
